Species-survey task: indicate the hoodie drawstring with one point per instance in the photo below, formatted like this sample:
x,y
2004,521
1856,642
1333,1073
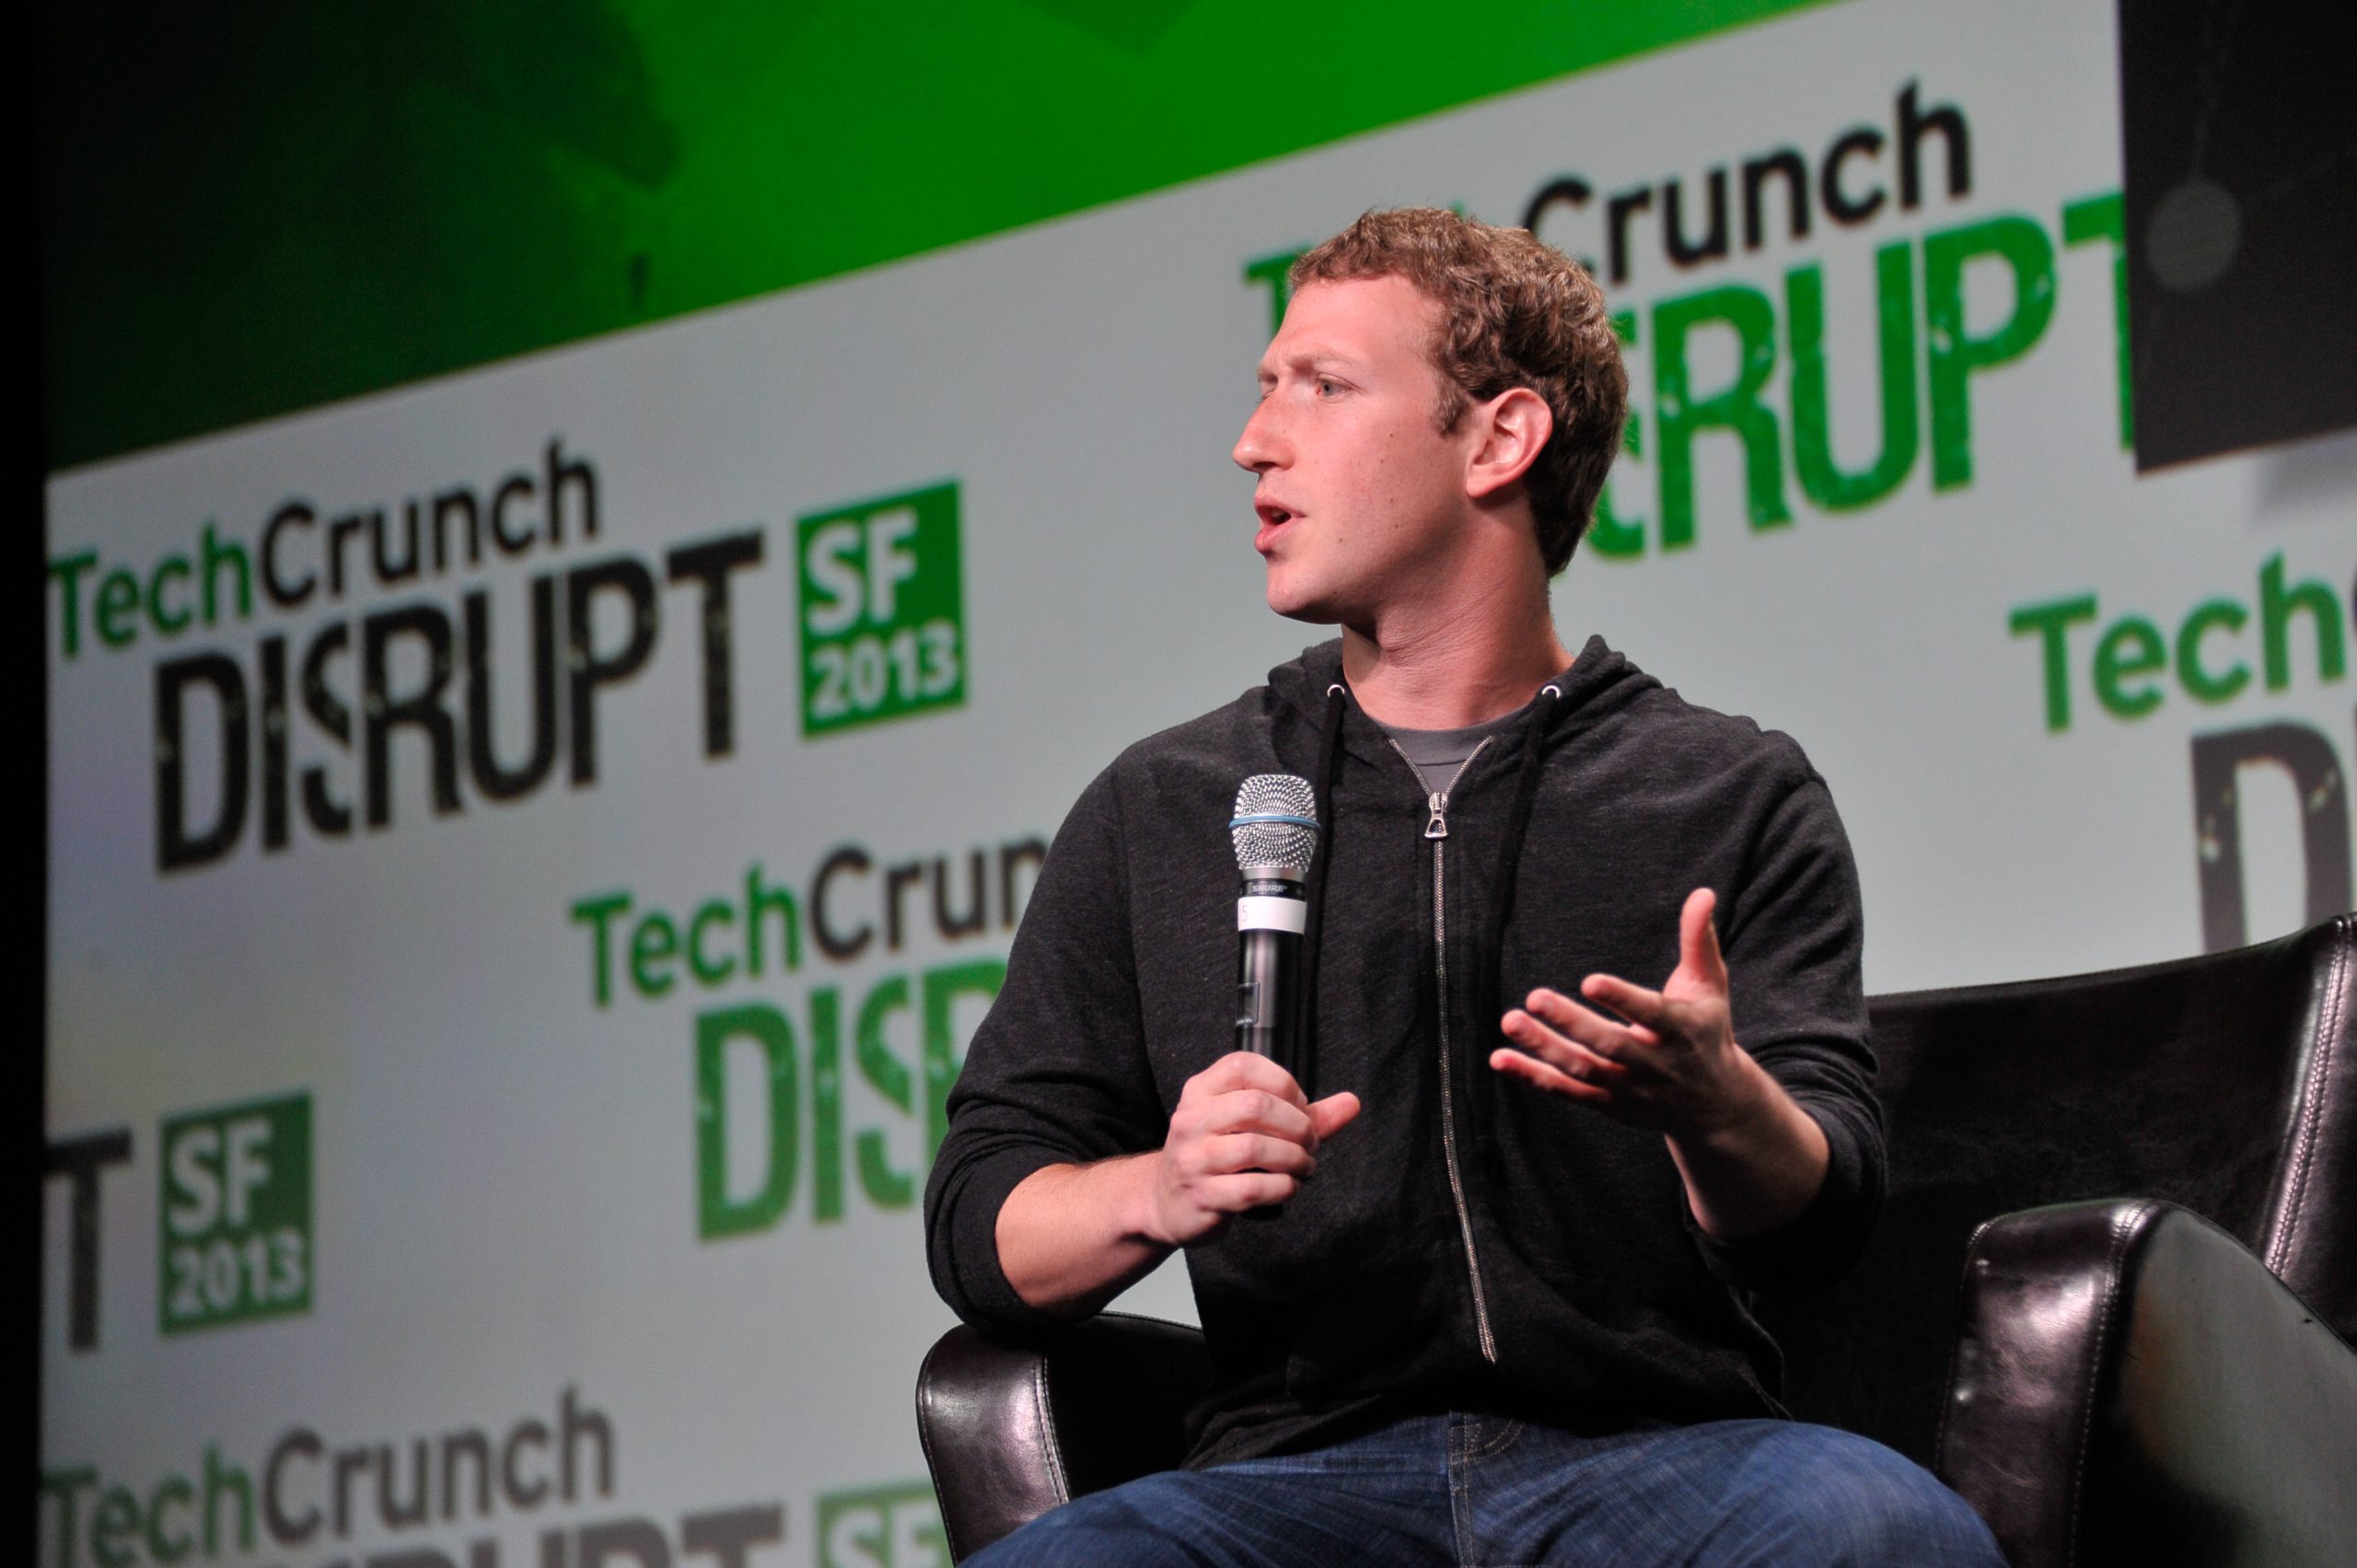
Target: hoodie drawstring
x,y
1492,1000
1525,789
1330,756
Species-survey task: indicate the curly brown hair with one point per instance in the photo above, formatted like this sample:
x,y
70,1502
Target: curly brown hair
x,y
1515,312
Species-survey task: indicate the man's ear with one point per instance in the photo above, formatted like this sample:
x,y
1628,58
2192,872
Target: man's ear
x,y
1512,427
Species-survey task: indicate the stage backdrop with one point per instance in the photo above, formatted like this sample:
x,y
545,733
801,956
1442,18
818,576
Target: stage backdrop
x,y
550,738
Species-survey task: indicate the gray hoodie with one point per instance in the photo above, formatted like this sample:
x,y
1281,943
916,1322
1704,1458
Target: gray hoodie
x,y
1468,1243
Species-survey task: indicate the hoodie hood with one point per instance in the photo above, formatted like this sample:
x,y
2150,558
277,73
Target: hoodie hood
x,y
1600,682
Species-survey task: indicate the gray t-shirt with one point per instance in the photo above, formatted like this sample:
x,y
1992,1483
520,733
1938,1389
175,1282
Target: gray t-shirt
x,y
1438,753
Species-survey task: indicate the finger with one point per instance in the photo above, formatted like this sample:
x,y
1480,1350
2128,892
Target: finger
x,y
1572,1057
1606,1037
1236,1152
1697,940
1538,1074
1249,1190
1257,1110
1245,1070
1647,1011
1333,1114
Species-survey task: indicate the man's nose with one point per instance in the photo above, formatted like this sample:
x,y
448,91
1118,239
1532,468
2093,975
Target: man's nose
x,y
1261,446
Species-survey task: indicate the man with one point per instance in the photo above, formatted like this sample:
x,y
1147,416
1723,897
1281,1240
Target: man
x,y
1499,1313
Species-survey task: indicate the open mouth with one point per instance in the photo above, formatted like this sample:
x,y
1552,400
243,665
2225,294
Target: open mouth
x,y
1273,518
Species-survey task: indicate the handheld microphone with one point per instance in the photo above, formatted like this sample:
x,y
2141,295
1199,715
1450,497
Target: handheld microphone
x,y
1275,831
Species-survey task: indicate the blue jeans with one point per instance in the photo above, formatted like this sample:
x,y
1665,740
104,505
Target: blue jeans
x,y
1485,1490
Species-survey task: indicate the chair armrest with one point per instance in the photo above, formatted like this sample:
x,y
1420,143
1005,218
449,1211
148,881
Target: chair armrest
x,y
1012,1429
2131,1385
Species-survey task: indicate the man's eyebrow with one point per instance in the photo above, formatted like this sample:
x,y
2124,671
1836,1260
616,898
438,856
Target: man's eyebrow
x,y
1312,358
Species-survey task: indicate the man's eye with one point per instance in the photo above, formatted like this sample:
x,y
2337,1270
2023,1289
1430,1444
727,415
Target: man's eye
x,y
1328,388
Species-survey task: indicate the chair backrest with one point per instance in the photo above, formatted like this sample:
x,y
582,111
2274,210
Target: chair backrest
x,y
2226,1083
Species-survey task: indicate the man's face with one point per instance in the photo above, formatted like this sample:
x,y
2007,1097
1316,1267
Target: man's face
x,y
1360,493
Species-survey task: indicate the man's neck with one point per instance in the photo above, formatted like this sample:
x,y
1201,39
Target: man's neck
x,y
1451,671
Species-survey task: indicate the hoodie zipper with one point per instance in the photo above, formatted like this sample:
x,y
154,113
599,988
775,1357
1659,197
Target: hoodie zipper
x,y
1436,832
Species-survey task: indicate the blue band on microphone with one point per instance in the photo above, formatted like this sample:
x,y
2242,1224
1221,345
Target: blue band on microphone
x,y
1309,823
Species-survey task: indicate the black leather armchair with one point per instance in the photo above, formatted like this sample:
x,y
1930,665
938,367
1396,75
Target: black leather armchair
x,y
2147,1182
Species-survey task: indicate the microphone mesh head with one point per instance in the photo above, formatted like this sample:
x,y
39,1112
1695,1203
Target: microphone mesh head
x,y
1276,843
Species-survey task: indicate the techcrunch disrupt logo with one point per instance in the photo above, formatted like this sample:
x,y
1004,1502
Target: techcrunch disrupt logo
x,y
1749,371
233,727
2256,643
471,1498
759,1060
296,732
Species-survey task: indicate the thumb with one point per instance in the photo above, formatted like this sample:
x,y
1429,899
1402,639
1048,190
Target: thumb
x,y
1333,1113
1698,941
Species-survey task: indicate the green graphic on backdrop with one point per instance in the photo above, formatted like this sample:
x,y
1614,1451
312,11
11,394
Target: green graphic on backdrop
x,y
235,1214
247,215
883,1526
918,1091
883,611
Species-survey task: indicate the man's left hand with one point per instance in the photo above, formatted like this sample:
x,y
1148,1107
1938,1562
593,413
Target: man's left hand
x,y
1751,1158
1673,1066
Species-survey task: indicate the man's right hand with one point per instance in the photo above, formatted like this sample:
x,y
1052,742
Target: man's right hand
x,y
1071,1237
1244,1136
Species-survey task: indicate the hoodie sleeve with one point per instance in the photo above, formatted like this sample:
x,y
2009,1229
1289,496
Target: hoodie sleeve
x,y
1793,937
1056,1075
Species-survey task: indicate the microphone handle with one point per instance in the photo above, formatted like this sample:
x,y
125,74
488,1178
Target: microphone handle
x,y
1268,972
1270,916
1269,921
